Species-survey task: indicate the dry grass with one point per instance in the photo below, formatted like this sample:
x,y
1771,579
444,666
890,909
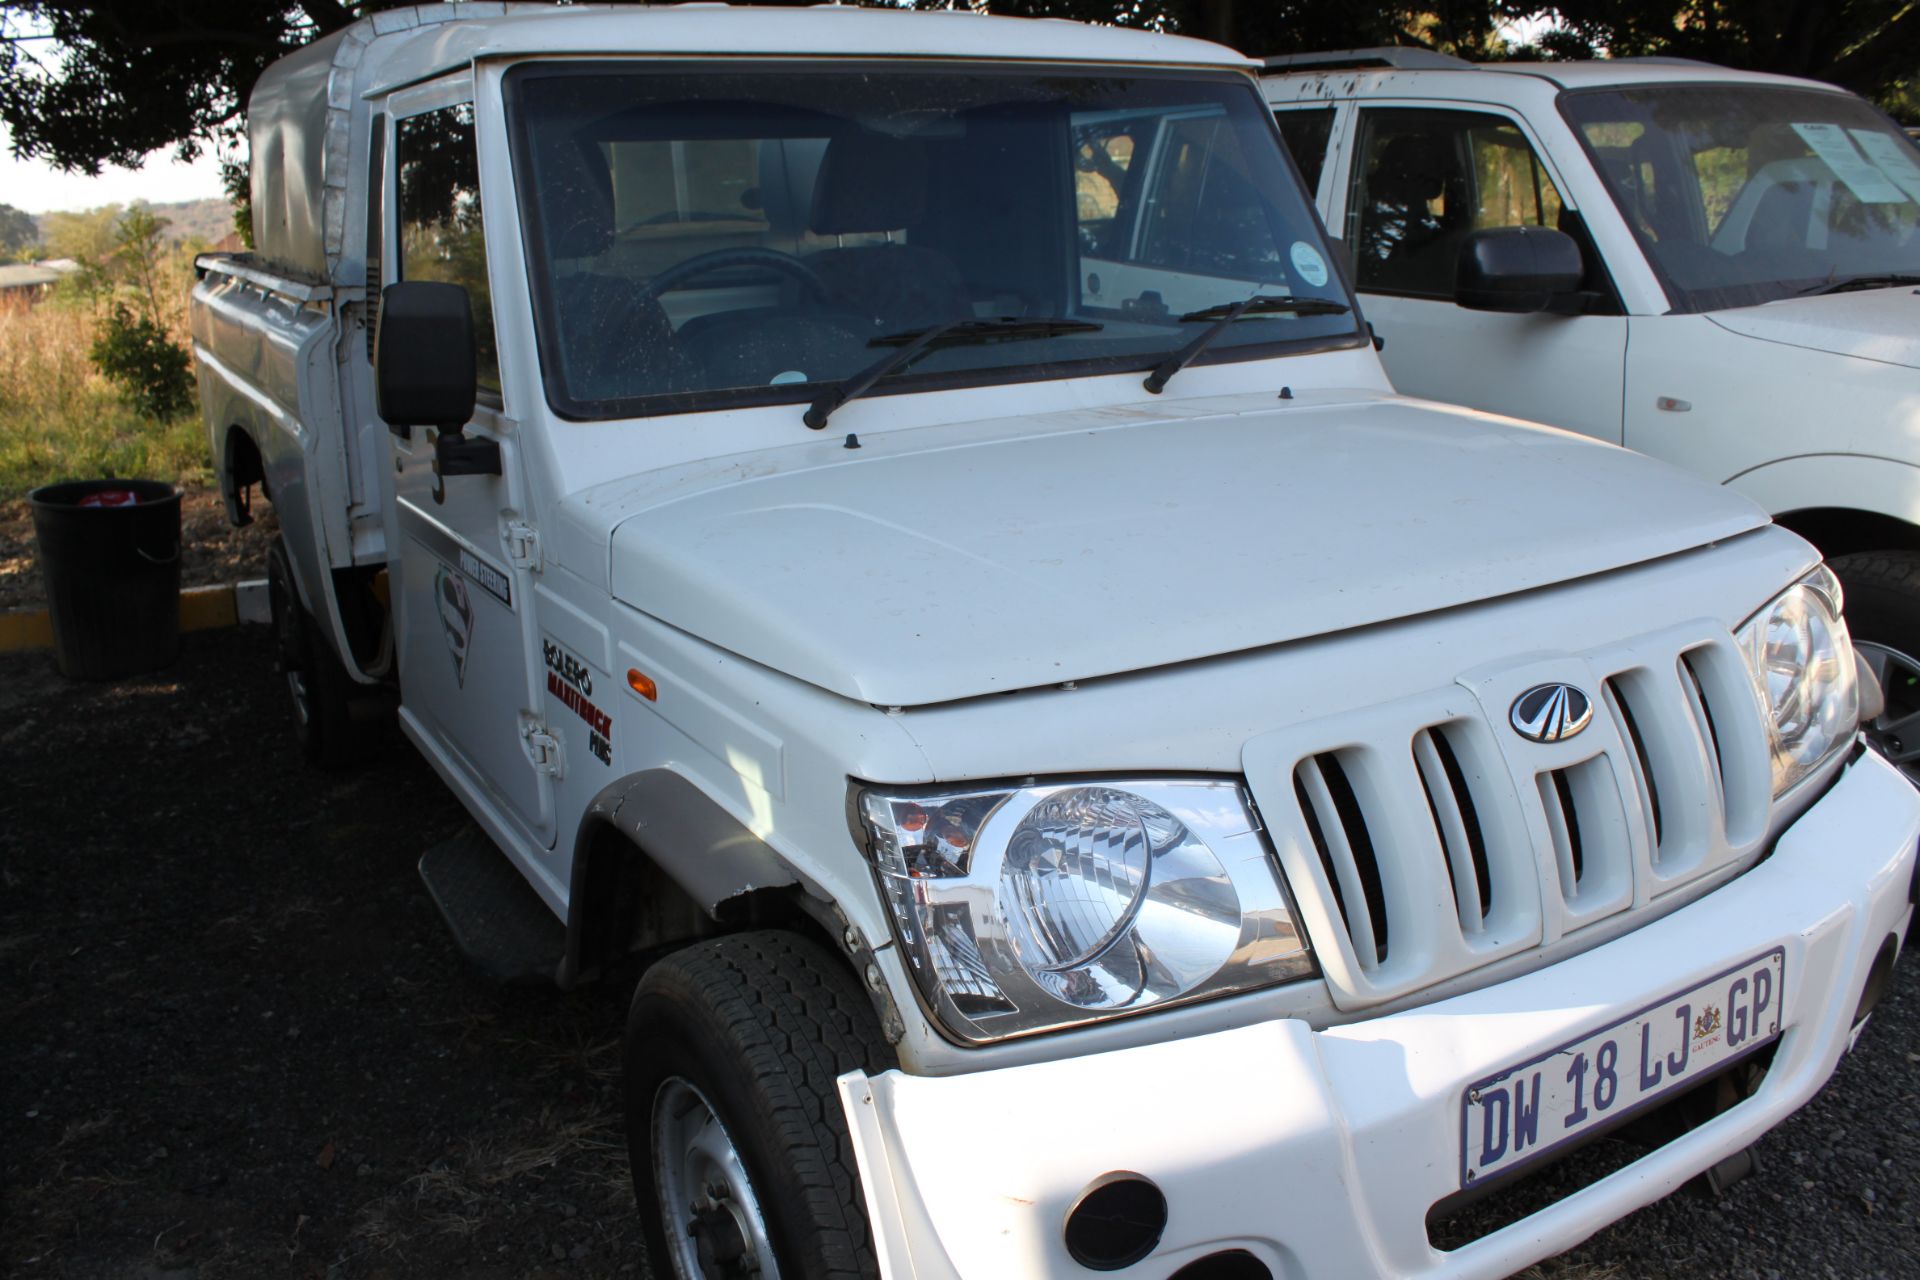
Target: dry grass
x,y
492,1178
60,420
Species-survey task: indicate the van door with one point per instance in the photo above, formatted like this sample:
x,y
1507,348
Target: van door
x,y
467,641
1421,179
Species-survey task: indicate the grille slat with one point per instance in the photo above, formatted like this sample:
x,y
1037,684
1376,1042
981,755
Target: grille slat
x,y
1346,850
1451,803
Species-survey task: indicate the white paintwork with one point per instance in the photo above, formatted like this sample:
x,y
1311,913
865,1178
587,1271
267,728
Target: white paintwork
x,y
1189,583
1769,386
828,571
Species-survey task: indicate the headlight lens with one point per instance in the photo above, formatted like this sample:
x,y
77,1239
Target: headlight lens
x,y
1801,661
1024,909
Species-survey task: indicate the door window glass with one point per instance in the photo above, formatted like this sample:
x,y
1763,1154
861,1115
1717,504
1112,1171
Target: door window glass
x,y
1306,133
1424,180
441,233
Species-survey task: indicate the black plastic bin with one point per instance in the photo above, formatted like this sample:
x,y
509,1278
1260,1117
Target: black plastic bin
x,y
112,574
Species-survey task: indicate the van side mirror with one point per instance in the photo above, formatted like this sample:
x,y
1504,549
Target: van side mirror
x,y
1518,270
425,371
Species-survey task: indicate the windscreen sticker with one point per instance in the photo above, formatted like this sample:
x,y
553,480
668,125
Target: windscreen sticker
x,y
1308,263
571,682
1891,157
456,617
1868,184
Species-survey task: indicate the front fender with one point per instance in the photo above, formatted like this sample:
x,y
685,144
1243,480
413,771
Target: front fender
x,y
1840,481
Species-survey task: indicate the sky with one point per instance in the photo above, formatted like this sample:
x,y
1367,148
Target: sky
x,y
37,188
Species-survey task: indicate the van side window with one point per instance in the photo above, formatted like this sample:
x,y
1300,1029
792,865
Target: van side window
x,y
441,232
1423,180
1306,132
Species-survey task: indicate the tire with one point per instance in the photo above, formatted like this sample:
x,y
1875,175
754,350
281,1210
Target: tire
x,y
1883,617
731,1053
318,687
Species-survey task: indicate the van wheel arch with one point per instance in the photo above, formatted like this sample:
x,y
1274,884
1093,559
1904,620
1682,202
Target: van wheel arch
x,y
1844,531
241,467
626,902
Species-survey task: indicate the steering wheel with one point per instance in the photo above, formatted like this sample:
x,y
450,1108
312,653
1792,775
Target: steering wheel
x,y
701,264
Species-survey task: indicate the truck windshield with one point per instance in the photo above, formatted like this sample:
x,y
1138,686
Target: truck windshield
x,y
706,237
1742,194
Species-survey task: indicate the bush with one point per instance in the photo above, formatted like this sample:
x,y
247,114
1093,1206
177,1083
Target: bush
x,y
154,374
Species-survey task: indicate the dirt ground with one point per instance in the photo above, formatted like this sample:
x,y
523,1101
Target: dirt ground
x,y
236,1041
211,550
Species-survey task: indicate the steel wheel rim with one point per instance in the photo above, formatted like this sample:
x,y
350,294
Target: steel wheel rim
x,y
710,1236
1895,732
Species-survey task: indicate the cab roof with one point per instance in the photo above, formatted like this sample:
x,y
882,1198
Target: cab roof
x,y
1588,74
308,107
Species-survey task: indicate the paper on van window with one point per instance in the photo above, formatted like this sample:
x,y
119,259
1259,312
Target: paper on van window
x,y
1868,184
1890,158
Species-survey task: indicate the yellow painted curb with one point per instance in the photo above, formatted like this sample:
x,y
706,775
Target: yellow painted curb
x,y
204,608
201,609
25,629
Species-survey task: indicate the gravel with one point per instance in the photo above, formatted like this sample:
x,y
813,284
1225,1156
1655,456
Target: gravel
x,y
235,1040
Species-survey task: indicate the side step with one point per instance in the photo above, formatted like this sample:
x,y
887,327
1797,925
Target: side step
x,y
499,922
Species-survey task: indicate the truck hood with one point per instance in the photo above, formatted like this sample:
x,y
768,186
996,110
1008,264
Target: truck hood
x,y
1875,324
909,573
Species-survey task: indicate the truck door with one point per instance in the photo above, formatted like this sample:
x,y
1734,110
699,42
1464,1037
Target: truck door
x,y
1419,180
466,637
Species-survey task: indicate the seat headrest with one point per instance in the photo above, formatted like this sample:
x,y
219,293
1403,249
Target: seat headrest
x,y
789,168
1412,169
869,182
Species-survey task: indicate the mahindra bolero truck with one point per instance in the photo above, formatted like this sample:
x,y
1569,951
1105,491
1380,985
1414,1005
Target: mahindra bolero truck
x,y
894,528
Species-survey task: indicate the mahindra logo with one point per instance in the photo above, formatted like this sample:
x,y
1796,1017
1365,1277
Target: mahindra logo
x,y
1551,713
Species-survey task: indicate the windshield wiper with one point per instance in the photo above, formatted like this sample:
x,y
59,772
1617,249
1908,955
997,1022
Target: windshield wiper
x,y
1223,316
915,342
1889,280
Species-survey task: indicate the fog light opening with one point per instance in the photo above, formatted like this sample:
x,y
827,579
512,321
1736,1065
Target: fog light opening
x,y
1228,1264
1118,1221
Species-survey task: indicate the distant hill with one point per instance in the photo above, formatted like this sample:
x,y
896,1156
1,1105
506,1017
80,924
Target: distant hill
x,y
208,220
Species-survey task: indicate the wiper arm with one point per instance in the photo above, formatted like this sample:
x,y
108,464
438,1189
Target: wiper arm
x,y
1888,280
916,342
1223,316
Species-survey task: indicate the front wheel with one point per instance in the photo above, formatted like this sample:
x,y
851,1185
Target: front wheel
x,y
742,1166
318,687
1883,616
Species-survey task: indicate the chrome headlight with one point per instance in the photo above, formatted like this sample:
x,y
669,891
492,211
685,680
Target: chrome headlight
x,y
1801,661
1023,909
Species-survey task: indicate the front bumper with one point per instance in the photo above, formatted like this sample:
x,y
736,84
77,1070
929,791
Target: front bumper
x,y
1321,1152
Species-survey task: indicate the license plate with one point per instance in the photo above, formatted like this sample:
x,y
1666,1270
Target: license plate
x,y
1526,1111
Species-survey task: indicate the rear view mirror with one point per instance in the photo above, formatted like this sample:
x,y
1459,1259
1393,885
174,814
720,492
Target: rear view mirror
x,y
1518,270
425,373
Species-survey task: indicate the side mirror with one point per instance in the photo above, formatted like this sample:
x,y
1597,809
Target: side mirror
x,y
1517,270
425,373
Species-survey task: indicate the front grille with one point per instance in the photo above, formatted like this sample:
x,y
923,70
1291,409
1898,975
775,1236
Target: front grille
x,y
1426,838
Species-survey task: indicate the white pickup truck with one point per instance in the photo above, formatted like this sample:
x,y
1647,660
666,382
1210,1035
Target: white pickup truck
x,y
895,521
1719,269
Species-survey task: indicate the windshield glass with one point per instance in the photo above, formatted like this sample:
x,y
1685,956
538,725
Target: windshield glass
x,y
708,237
1745,194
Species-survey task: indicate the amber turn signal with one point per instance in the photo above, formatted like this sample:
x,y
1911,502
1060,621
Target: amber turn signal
x,y
643,685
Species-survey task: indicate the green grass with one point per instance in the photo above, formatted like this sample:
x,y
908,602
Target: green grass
x,y
60,420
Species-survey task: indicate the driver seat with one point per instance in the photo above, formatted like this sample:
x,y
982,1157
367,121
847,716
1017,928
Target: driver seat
x,y
871,184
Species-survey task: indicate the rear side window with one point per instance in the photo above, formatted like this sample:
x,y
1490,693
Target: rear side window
x,y
1306,132
442,235
1424,179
